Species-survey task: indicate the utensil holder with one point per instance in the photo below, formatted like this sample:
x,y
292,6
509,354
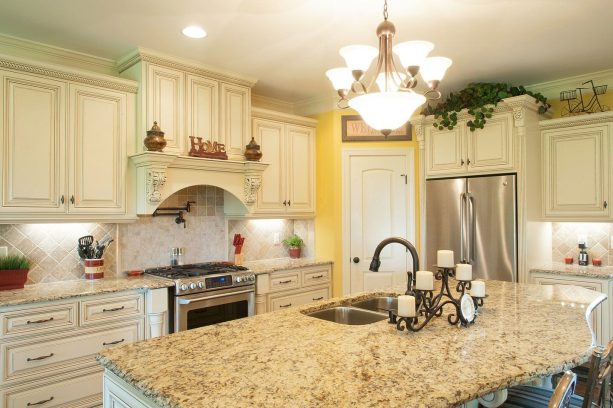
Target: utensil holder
x,y
94,269
238,259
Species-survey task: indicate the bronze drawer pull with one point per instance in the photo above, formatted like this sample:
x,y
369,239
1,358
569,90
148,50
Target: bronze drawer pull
x,y
284,282
39,321
39,358
113,342
288,305
115,309
317,277
30,404
319,298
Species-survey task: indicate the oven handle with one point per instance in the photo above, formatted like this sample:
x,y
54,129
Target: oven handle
x,y
188,301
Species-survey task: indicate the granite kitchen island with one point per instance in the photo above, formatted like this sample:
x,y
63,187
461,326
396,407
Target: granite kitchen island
x,y
289,359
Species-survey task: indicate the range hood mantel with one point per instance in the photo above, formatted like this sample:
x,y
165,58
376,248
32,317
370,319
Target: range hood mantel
x,y
158,175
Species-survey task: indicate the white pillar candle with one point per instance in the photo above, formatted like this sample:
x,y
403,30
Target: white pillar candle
x,y
444,258
464,272
477,288
424,280
406,306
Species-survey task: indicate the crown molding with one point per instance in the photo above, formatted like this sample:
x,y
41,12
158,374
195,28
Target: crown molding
x,y
194,67
585,119
66,74
22,48
552,89
267,102
317,104
282,117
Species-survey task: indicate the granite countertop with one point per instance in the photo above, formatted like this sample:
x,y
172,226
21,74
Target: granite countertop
x,y
590,271
272,265
42,292
288,359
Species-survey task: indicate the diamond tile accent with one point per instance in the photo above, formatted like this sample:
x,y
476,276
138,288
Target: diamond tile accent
x,y
564,240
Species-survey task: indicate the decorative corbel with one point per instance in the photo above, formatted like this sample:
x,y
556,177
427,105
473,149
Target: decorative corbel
x,y
251,187
519,114
156,179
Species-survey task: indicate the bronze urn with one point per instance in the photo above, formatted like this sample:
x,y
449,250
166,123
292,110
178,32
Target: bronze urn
x,y
253,153
155,142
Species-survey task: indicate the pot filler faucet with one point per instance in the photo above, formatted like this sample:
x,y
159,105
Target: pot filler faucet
x,y
376,263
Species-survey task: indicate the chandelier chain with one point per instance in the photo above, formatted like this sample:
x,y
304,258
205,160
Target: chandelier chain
x,y
385,10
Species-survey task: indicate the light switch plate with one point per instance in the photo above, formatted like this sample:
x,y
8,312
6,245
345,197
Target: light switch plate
x,y
3,251
276,238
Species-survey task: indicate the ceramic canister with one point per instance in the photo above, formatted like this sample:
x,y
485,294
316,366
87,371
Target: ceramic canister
x,y
94,268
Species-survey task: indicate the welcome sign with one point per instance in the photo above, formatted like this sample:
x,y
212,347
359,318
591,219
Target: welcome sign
x,y
354,129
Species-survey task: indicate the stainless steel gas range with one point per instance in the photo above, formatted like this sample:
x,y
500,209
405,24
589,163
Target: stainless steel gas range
x,y
207,293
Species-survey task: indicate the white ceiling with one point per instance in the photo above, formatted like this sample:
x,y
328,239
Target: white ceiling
x,y
289,44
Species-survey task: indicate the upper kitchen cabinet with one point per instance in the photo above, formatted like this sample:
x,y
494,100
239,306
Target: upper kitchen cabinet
x,y
459,152
189,99
287,143
64,144
576,167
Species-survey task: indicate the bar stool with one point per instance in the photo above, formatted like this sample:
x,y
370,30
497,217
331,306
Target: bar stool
x,y
597,393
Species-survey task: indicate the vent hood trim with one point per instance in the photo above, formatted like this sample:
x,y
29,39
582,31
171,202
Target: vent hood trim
x,y
159,175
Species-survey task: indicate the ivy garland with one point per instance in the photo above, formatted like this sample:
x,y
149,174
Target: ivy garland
x,y
475,97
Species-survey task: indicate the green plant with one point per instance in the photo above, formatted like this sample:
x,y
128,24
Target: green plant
x,y
293,241
477,97
12,262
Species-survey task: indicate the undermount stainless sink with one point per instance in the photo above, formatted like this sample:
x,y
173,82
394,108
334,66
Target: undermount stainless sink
x,y
348,315
381,304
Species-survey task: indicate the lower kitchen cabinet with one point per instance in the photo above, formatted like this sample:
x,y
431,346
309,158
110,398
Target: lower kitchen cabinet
x,y
602,315
292,287
47,349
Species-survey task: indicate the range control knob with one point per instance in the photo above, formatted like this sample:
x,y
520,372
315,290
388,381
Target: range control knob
x,y
192,286
239,279
184,287
200,285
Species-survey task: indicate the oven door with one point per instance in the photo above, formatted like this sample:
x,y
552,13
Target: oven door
x,y
203,309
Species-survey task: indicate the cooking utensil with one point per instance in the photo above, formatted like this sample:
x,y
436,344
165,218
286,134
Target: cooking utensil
x,y
86,241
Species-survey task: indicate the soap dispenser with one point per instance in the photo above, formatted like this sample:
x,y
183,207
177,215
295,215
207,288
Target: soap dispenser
x,y
583,256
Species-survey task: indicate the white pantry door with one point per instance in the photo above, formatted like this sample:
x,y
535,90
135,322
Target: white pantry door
x,y
379,189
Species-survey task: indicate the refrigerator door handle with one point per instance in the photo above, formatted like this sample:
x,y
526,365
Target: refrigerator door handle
x,y
462,225
472,227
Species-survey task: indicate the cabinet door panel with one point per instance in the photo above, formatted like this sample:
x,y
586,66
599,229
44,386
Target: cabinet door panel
x,y
202,108
270,136
577,171
445,151
492,148
33,144
165,105
235,105
97,150
300,168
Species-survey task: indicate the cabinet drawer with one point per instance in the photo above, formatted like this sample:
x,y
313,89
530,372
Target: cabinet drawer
x,y
318,276
44,356
39,320
84,390
99,310
296,299
285,281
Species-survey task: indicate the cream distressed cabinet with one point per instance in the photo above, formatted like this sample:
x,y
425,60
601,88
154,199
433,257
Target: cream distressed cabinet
x,y
461,152
47,349
64,145
188,99
577,167
292,287
287,143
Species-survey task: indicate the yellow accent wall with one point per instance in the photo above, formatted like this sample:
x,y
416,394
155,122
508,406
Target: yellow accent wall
x,y
557,105
328,223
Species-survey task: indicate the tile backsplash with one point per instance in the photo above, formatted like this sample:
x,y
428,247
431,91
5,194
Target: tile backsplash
x,y
565,236
52,248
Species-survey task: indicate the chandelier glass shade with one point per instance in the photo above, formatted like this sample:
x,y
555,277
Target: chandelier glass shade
x,y
392,102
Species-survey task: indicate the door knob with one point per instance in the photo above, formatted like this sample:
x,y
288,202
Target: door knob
x,y
356,260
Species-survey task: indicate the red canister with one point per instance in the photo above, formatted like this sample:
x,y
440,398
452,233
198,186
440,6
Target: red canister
x,y
596,261
568,260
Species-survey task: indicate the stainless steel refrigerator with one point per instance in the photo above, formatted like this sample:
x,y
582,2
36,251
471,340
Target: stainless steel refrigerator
x,y
476,217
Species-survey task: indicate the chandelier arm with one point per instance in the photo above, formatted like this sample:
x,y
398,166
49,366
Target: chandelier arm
x,y
377,69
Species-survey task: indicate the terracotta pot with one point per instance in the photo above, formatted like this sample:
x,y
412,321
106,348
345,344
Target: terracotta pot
x,y
13,278
294,252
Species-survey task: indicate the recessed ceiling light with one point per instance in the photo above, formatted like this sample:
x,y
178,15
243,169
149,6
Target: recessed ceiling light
x,y
194,32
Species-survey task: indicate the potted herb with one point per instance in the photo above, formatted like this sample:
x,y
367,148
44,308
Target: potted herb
x,y
294,243
13,271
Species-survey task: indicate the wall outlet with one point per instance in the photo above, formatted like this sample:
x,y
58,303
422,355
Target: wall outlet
x,y
582,239
3,251
276,238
